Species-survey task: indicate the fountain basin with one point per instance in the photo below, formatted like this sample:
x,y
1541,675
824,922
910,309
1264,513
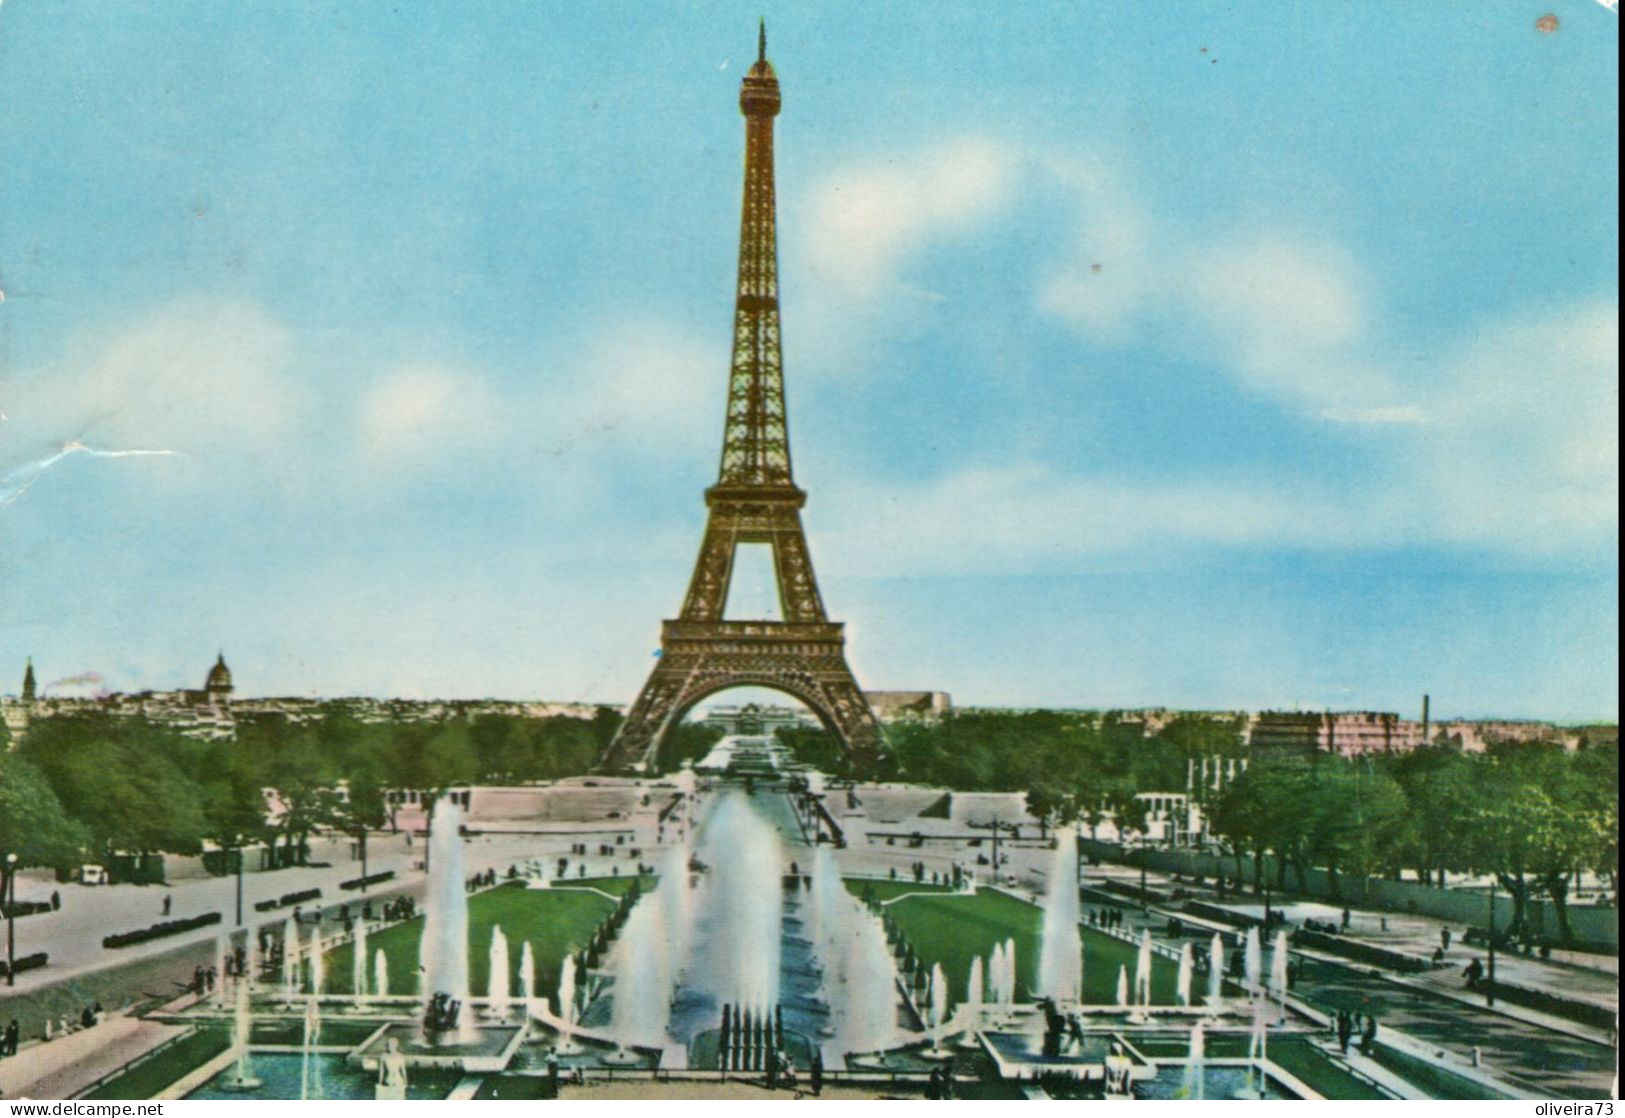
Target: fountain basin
x,y
1022,1056
487,1048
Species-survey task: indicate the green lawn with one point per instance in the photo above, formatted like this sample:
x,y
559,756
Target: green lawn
x,y
954,928
556,923
616,885
165,1067
1298,1056
886,890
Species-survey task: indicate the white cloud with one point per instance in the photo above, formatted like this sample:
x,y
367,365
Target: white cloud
x,y
642,386
1403,413
197,376
201,381
1029,517
420,412
866,221
1524,453
1116,271
864,228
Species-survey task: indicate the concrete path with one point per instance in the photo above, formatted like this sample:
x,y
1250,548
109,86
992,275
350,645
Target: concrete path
x,y
61,1068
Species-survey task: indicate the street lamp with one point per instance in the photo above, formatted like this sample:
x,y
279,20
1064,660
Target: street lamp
x,y
11,920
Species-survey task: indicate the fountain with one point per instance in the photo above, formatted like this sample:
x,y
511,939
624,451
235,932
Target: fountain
x,y
310,1079
1122,987
995,976
527,979
973,984
251,955
220,952
1252,963
443,952
1060,958
567,1008
290,959
641,967
1183,989
1142,979
678,904
1279,959
865,986
1010,992
1215,972
498,999
1257,1043
380,974
318,964
937,1012
241,1078
1196,1069
741,908
358,961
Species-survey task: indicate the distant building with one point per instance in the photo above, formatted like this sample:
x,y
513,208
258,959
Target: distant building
x,y
16,713
1346,733
892,706
756,720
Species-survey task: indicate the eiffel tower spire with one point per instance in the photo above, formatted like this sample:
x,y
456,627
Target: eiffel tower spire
x,y
755,501
756,441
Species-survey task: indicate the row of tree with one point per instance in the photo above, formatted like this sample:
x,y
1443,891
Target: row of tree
x,y
1071,764
90,787
1534,815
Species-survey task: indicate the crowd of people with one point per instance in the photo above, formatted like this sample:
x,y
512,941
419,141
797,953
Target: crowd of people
x,y
1108,918
1347,1024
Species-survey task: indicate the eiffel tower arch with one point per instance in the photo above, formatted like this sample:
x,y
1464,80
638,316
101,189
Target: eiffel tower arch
x,y
755,501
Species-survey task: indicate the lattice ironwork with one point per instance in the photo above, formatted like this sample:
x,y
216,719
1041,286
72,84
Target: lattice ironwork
x,y
755,501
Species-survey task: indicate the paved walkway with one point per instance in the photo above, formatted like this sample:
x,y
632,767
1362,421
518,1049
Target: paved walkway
x,y
1578,975
73,935
1539,1054
61,1068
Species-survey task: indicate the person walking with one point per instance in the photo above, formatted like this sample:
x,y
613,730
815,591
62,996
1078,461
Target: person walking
x,y
167,902
1345,1029
1368,1037
815,1074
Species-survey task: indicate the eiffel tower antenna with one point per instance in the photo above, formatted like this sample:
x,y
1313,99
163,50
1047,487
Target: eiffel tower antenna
x,y
755,501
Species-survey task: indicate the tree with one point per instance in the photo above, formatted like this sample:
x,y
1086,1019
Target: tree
x,y
128,782
363,807
1529,827
33,826
1596,789
304,776
1050,804
1437,782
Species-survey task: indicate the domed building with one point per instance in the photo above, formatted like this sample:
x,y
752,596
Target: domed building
x,y
218,685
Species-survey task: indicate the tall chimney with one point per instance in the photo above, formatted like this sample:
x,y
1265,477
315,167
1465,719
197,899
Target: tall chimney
x,y
1424,719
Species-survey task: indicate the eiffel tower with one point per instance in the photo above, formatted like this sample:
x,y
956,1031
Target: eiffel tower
x,y
755,501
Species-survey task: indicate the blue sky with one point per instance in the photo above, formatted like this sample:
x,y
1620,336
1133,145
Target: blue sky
x,y
1209,356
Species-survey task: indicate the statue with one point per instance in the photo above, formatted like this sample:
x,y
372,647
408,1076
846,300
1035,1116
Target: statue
x,y
391,1073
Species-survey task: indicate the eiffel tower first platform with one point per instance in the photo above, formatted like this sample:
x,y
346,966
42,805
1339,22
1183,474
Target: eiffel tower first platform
x,y
755,501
